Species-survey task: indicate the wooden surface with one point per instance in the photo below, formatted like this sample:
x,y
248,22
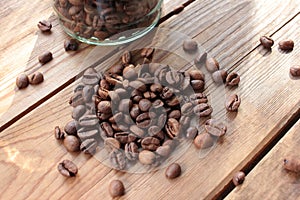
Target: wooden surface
x,y
228,30
273,181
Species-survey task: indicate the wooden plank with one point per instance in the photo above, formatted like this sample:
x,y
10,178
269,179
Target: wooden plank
x,y
269,99
222,26
269,180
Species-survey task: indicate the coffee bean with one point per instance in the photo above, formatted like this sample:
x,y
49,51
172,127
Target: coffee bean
x,y
147,157
71,143
125,105
203,110
196,75
212,65
58,134
71,45
292,164
167,93
176,114
215,128
143,120
197,85
78,111
116,188
163,151
116,69
147,52
131,151
107,129
36,78
89,146
77,99
295,70
150,143
156,132
173,77
87,93
145,105
125,137
90,77
233,102
286,45
126,58
187,108
238,178
204,141
219,76
139,85
104,107
190,46
117,159
173,128
67,168
137,131
111,143
173,171
266,41
200,59
44,25
22,81
45,57
191,132
89,120
85,133
71,128
232,79
198,98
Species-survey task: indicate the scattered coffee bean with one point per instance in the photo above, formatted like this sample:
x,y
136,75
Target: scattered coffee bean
x,y
116,188
147,157
295,70
238,178
286,45
204,141
71,143
36,78
67,168
292,164
58,134
266,41
215,128
173,171
233,102
219,76
212,65
190,45
233,79
71,45
44,25
71,128
45,57
22,81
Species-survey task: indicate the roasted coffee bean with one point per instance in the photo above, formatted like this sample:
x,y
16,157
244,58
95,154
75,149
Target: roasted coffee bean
x,y
90,77
44,25
147,157
186,81
238,178
129,73
137,131
149,95
126,58
157,104
139,85
22,81
87,93
145,105
135,111
232,79
71,143
67,168
45,57
71,128
111,143
136,95
118,117
212,65
58,134
191,132
131,151
266,41
173,171
114,97
171,143
286,45
76,2
203,110
150,143
71,45
200,59
172,128
156,132
219,76
162,120
107,129
198,98
104,107
156,87
174,101
36,78
78,111
125,105
292,164
84,133
143,120
116,188
233,102
176,114
173,77
116,69
117,159
187,108
147,52
190,45
196,75
104,84
204,141
163,151
215,128
89,120
77,99
167,93
295,70
125,137
89,146
197,85
184,121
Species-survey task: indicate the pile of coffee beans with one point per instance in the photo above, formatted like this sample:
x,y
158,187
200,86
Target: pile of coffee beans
x,y
100,19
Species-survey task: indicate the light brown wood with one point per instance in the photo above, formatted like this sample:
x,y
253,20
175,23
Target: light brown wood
x,y
269,179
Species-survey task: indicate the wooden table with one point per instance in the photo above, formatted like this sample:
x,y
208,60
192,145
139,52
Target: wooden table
x,y
262,133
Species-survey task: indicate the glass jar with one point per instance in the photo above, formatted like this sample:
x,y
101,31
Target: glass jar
x,y
107,22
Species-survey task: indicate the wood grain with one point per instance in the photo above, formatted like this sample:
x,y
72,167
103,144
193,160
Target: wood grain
x,y
269,180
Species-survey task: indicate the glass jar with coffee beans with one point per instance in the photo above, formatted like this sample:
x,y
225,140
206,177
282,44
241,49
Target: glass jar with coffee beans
x,y
107,22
